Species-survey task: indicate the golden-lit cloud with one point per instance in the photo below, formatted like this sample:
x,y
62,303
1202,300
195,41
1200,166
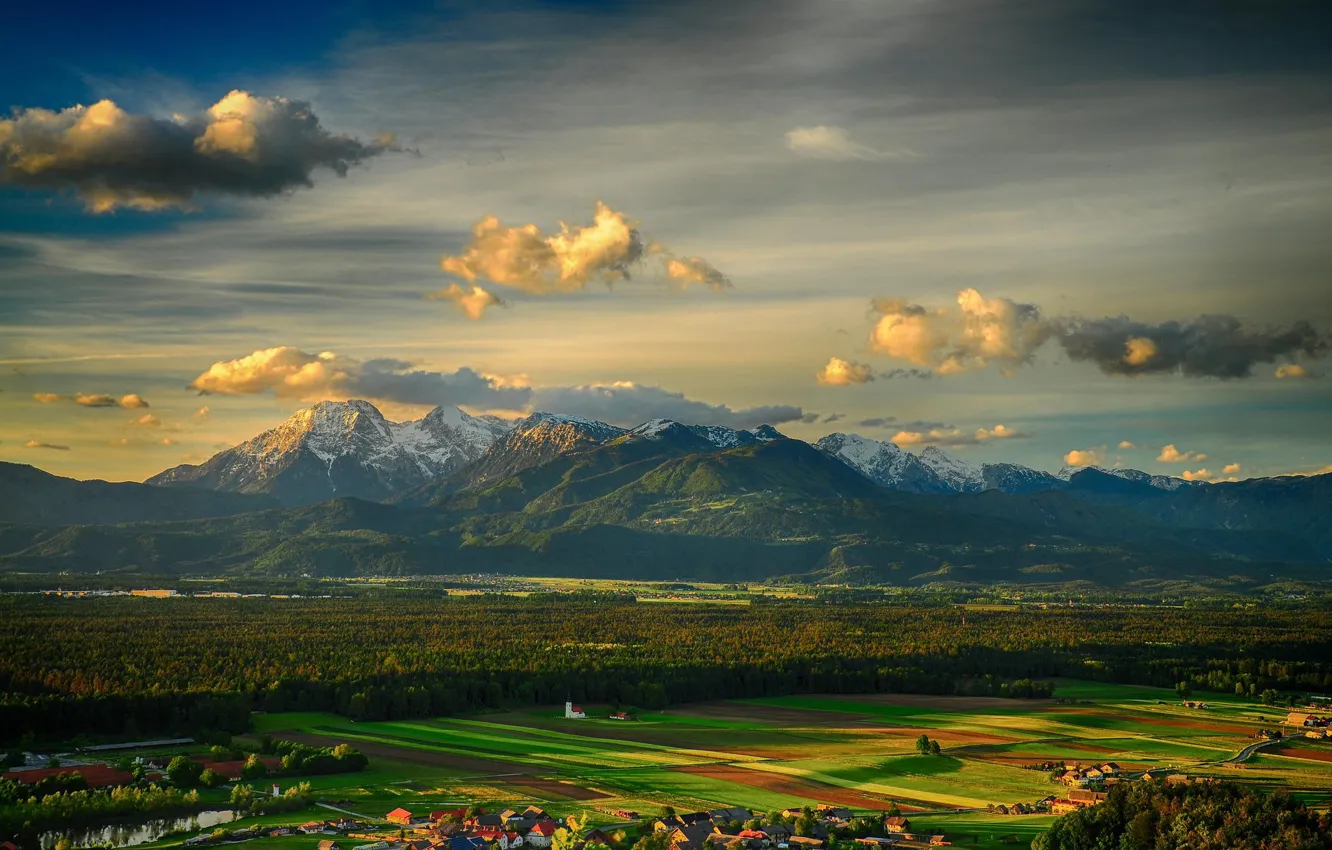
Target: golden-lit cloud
x,y
1126,445
202,413
980,332
1231,469
529,260
1170,454
976,333
130,401
947,436
1084,457
148,421
525,258
687,270
1290,371
288,372
1197,475
1139,351
37,444
471,301
844,373
243,145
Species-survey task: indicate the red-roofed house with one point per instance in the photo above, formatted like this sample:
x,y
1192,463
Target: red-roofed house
x,y
400,816
540,835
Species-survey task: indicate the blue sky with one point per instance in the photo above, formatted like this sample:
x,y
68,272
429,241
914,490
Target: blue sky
x,y
798,196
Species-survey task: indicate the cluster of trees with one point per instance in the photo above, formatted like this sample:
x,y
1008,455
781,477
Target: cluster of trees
x,y
1219,816
72,808
926,747
297,760
12,792
115,667
247,802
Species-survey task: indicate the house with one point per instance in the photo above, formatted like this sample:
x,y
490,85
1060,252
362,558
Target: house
x,y
493,835
777,834
538,813
329,845
312,827
463,842
540,835
1093,774
486,822
1110,768
897,824
1297,718
279,832
519,825
456,814
728,815
1085,797
939,841
878,841
753,835
692,835
836,814
573,712
619,715
596,836
804,843
400,816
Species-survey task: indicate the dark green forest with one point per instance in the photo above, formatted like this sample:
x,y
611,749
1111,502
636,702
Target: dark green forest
x,y
1217,816
120,666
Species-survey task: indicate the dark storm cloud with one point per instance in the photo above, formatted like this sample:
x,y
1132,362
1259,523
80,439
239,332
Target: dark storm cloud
x,y
1208,346
242,145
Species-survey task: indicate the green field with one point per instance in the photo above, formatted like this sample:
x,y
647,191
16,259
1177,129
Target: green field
x,y
779,752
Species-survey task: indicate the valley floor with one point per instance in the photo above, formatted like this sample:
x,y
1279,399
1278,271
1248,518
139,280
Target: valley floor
x,y
854,751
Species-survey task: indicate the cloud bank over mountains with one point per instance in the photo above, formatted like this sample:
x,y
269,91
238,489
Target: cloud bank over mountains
x,y
288,372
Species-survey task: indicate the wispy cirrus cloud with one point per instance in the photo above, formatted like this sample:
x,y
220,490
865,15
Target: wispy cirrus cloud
x,y
129,400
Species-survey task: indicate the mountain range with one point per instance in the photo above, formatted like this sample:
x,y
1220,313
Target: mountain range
x,y
564,495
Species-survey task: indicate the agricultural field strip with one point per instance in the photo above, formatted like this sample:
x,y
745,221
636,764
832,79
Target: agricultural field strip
x,y
532,752
588,742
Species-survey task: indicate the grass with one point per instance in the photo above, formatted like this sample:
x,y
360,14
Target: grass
x,y
779,752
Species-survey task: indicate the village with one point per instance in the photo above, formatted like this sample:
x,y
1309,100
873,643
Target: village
x,y
825,827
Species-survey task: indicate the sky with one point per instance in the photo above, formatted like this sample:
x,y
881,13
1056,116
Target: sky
x,y
1036,231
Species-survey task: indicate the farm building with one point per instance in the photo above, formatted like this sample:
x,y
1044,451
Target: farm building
x,y
400,816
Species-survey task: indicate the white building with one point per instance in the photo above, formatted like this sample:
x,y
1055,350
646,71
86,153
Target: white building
x,y
573,712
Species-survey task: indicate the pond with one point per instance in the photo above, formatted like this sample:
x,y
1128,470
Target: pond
x,y
127,834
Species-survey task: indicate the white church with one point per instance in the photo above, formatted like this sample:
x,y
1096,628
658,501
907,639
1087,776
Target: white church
x,y
573,712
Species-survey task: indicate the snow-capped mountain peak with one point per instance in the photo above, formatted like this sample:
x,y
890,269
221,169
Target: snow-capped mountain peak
x,y
958,474
1160,482
344,448
884,463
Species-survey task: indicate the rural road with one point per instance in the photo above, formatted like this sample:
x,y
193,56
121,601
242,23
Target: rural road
x,y
349,812
1244,754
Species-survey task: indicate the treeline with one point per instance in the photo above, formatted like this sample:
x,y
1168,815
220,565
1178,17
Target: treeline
x,y
118,667
1218,816
74,808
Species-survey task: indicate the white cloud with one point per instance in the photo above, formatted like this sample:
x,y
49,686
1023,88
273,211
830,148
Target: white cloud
x,y
471,301
1084,457
1170,454
627,403
976,333
834,143
844,373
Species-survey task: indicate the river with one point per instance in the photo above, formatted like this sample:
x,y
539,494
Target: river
x,y
127,834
